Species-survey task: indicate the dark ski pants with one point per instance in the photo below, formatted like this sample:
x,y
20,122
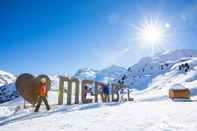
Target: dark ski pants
x,y
40,99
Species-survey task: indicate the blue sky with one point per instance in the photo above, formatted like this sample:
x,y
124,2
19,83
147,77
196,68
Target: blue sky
x,y
55,37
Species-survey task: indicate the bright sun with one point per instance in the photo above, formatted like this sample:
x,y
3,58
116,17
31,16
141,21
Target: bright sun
x,y
152,34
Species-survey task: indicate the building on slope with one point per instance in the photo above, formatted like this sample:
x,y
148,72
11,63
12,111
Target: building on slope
x,y
178,91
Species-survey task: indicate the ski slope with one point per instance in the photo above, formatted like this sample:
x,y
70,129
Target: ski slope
x,y
159,86
131,116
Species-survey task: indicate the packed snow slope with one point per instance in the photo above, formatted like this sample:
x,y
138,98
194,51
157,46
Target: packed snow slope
x,y
152,77
131,116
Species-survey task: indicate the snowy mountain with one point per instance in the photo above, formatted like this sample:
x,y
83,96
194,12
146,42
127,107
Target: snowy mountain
x,y
7,87
110,74
86,73
6,78
105,75
153,76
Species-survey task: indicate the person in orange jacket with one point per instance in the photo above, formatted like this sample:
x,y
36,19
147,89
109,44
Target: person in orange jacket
x,y
42,94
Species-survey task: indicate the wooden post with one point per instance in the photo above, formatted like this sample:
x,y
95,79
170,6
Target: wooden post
x,y
114,91
76,89
118,97
82,92
61,91
69,93
129,98
77,94
128,94
96,93
24,104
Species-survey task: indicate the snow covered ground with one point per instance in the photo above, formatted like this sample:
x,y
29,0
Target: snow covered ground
x,y
148,112
129,116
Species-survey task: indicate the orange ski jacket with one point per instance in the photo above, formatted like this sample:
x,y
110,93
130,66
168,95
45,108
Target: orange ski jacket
x,y
43,90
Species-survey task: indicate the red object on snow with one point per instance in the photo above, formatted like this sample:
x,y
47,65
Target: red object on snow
x,y
42,90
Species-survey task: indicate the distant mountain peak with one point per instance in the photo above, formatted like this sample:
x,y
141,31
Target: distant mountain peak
x,y
7,86
86,70
110,73
141,74
6,78
105,75
86,73
115,67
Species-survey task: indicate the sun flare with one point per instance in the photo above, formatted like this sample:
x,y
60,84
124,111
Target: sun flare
x,y
152,33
